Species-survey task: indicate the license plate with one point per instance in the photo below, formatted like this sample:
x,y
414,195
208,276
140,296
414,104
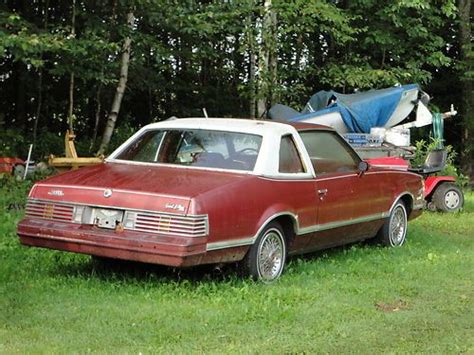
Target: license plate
x,y
105,218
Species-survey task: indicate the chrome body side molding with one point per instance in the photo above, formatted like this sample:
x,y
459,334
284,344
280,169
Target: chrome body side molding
x,y
342,223
230,243
299,231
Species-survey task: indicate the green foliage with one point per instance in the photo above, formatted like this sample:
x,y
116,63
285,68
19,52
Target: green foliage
x,y
13,192
187,55
121,134
12,143
85,54
402,40
423,148
49,143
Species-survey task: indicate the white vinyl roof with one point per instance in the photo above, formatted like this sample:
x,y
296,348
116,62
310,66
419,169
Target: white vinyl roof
x,y
224,124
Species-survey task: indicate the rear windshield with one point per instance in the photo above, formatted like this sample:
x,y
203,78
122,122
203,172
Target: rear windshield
x,y
203,148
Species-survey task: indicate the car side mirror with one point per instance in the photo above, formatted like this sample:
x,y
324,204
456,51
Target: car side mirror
x,y
363,167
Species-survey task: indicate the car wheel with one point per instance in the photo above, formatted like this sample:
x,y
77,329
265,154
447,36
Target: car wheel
x,y
394,230
266,258
448,197
19,171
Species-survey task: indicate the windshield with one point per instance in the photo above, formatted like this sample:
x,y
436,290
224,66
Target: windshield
x,y
203,148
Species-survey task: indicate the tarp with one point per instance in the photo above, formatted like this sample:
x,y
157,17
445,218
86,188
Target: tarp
x,y
360,111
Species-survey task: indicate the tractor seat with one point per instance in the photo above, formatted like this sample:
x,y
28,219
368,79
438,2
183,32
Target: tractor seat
x,y
435,161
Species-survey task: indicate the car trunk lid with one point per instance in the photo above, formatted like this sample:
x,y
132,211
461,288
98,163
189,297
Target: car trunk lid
x,y
133,186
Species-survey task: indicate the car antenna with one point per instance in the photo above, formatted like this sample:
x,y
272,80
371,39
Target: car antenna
x,y
204,111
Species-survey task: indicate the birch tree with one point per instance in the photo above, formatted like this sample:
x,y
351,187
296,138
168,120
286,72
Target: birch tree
x,y
268,59
121,86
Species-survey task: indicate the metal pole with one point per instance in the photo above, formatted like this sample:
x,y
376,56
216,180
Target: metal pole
x,y
28,161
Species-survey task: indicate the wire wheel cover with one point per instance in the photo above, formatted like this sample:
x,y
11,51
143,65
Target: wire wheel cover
x,y
398,226
270,256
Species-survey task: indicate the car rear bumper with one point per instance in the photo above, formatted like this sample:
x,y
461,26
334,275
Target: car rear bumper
x,y
127,245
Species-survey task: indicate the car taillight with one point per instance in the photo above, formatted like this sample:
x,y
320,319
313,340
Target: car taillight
x,y
129,219
78,214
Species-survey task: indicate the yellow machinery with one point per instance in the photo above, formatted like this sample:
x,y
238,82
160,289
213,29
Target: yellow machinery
x,y
71,160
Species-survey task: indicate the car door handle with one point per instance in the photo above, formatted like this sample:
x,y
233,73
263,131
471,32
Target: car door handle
x,y
322,193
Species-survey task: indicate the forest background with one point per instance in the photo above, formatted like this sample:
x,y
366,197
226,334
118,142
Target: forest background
x,y
107,67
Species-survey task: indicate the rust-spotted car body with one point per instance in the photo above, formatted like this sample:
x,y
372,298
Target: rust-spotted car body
x,y
197,191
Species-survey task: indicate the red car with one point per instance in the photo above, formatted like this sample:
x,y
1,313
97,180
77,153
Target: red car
x,y
199,191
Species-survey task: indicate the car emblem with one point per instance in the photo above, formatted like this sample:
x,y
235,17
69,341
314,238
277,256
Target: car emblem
x,y
56,192
175,206
107,192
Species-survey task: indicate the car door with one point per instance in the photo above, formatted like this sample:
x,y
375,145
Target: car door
x,y
298,179
344,196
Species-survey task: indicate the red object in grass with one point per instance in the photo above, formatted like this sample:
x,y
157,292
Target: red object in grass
x,y
432,182
8,164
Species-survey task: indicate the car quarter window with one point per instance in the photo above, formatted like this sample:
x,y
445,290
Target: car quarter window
x,y
290,160
329,153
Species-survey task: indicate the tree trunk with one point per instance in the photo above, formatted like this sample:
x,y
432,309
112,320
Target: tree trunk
x,y
20,102
467,88
273,59
125,60
38,105
299,50
267,67
40,80
252,65
98,109
70,115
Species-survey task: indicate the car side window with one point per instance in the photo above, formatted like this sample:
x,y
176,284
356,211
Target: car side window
x,y
145,148
329,153
290,161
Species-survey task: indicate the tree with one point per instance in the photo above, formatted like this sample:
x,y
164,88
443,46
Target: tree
x,y
122,84
466,60
268,59
222,55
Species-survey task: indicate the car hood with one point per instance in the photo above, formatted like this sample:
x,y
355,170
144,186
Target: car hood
x,y
159,188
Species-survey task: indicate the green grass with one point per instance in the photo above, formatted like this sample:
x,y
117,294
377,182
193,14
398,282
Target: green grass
x,y
360,299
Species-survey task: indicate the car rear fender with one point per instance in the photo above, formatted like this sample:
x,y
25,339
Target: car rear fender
x,y
407,198
283,215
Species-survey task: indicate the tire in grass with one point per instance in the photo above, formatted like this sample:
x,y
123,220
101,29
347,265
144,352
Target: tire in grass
x,y
266,258
448,197
394,230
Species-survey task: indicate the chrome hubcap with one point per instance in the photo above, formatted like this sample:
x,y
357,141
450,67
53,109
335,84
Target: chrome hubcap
x,y
270,256
398,223
451,199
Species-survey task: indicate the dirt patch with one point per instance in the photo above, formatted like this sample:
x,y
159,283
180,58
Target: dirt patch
x,y
396,306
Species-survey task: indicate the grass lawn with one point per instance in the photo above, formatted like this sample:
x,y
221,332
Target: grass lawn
x,y
360,299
